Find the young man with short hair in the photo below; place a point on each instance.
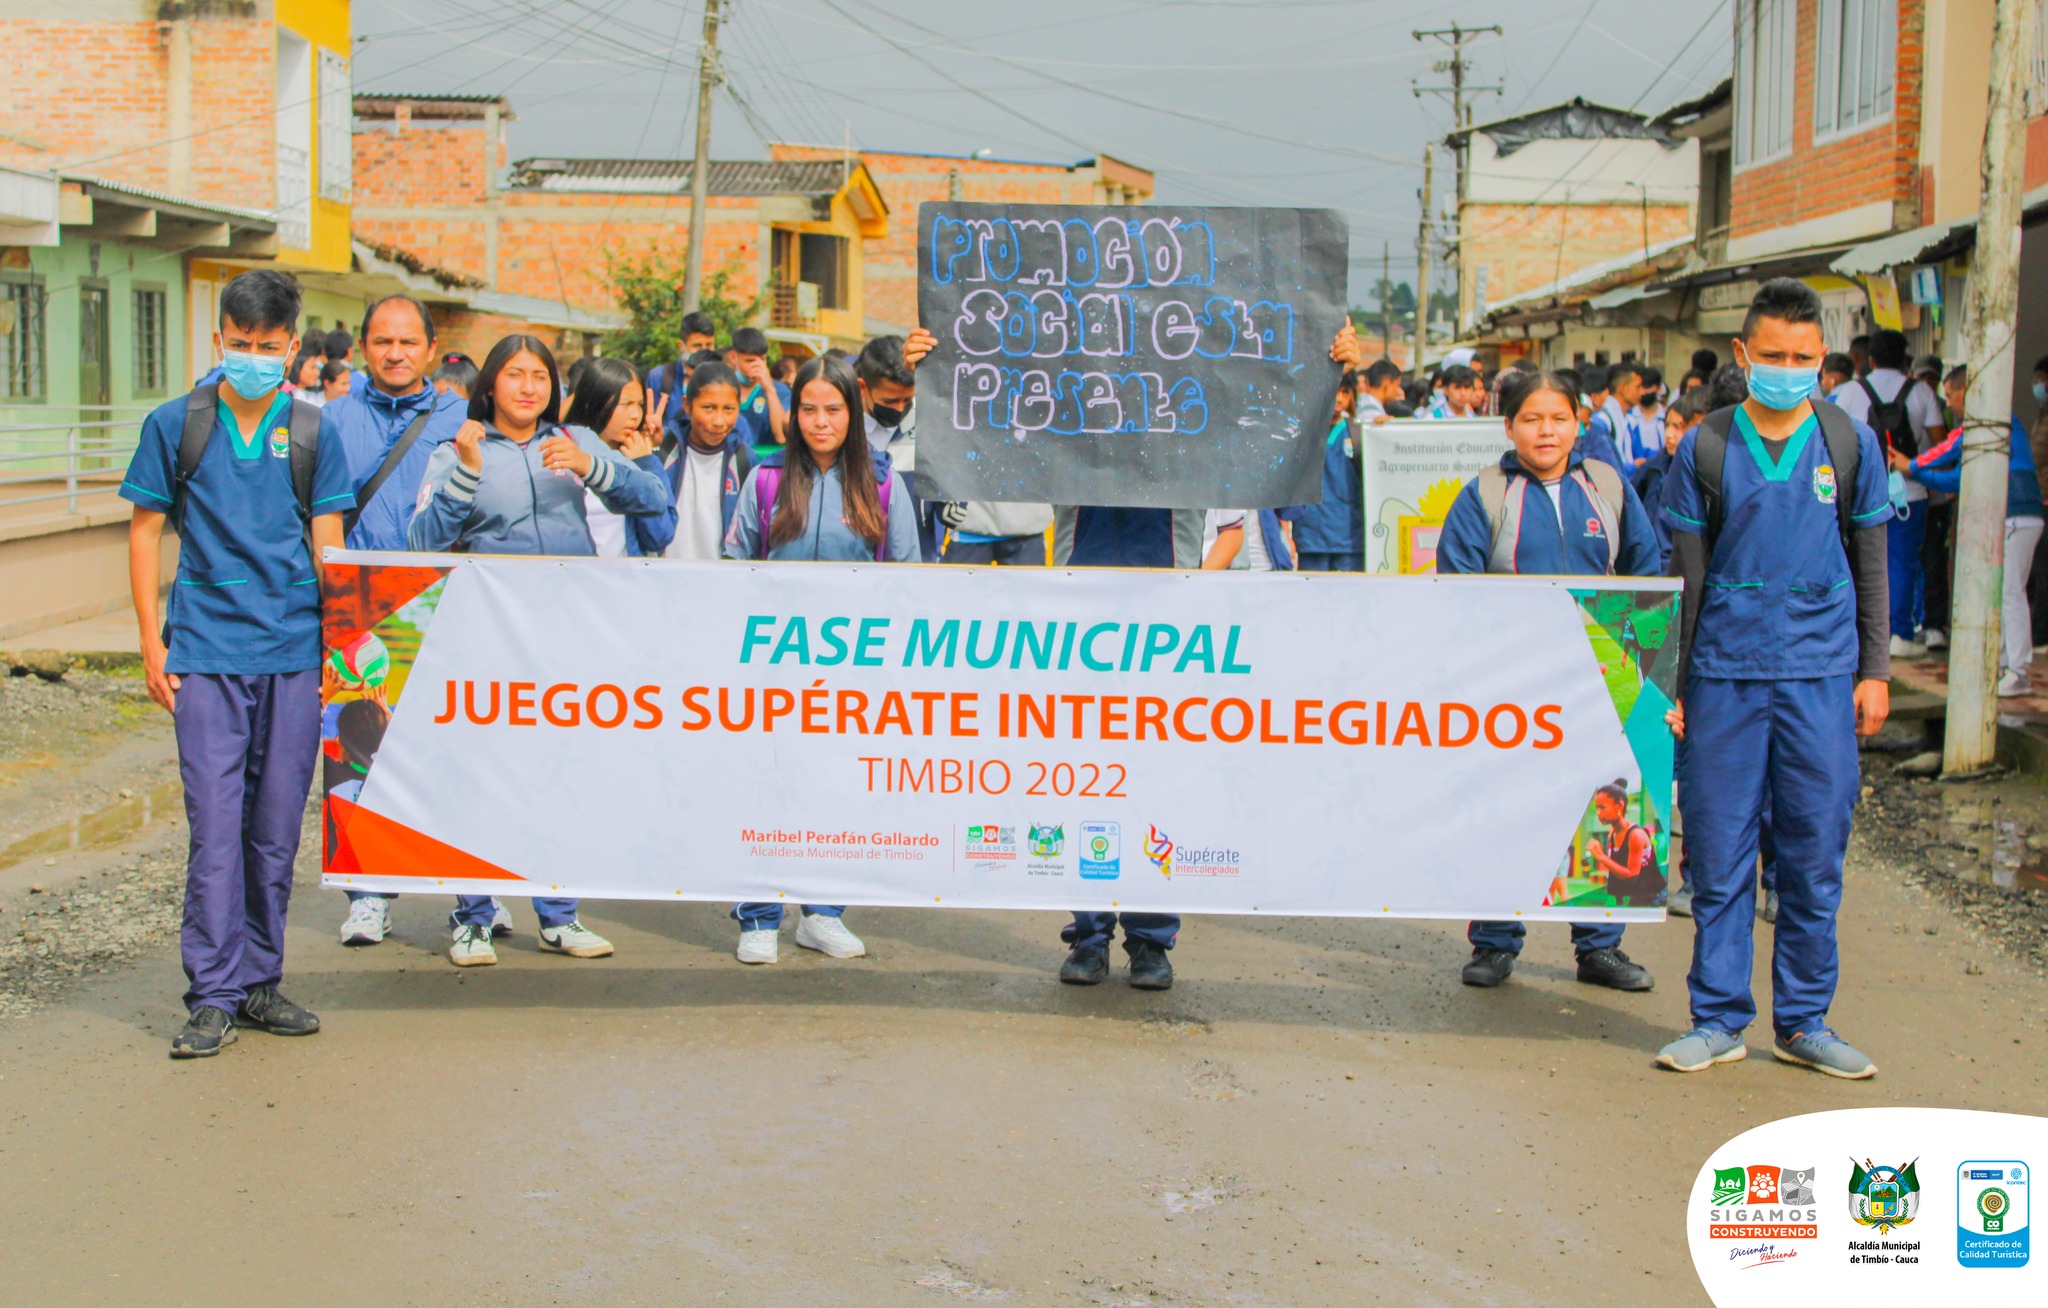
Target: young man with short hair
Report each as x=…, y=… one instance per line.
x=1462, y=395
x=1604, y=432
x=1379, y=390
x=258, y=490
x=764, y=403
x=1903, y=411
x=699, y=333
x=1777, y=509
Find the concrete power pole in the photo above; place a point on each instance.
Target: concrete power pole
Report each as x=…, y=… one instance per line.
x=1990, y=307
x=1422, y=239
x=1457, y=37
x=1386, y=296
x=700, y=164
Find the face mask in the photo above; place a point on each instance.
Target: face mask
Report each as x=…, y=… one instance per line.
x=252, y=375
x=2041, y=392
x=1781, y=388
x=889, y=417
x=1896, y=486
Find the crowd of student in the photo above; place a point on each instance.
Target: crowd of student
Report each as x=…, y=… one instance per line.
x=1773, y=504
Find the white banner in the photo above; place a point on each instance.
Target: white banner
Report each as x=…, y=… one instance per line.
x=1006, y=738
x=1413, y=469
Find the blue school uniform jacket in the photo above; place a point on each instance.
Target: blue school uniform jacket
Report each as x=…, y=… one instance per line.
x=366, y=423
x=1941, y=469
x=825, y=536
x=516, y=506
x=1337, y=525
x=734, y=464
x=1122, y=538
x=1576, y=546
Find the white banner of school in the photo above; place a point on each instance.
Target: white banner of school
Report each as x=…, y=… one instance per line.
x=996, y=738
x=1413, y=469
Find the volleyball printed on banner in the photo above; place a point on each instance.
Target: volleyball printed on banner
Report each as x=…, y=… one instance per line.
x=362, y=662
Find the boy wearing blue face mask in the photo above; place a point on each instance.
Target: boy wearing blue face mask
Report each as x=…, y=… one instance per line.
x=1778, y=509
x=258, y=490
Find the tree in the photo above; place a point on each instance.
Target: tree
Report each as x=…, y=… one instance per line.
x=649, y=287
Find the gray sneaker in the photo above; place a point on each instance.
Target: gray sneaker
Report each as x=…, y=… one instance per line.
x=1768, y=909
x=1824, y=1051
x=1680, y=903
x=1701, y=1048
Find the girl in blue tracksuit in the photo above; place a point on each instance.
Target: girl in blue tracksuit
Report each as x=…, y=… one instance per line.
x=708, y=462
x=1560, y=515
x=512, y=481
x=823, y=496
x=611, y=401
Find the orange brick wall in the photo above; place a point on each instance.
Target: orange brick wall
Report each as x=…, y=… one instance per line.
x=1527, y=246
x=908, y=180
x=1879, y=163
x=94, y=97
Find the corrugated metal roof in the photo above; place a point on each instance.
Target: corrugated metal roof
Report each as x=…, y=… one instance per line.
x=177, y=205
x=819, y=177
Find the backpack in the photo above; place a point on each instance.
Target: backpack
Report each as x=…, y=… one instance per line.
x=1608, y=499
x=200, y=407
x=1891, y=422
x=770, y=481
x=1710, y=457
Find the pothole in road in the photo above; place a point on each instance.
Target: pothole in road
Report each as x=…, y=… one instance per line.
x=113, y=825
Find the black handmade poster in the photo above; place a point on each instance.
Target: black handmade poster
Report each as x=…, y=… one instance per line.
x=1151, y=357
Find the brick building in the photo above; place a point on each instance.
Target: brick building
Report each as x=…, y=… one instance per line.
x=906, y=180
x=526, y=244
x=223, y=103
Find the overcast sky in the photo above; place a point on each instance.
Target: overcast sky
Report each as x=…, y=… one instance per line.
x=1287, y=102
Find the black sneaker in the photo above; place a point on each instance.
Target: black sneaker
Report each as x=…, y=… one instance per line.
x=1151, y=969
x=205, y=1032
x=1612, y=968
x=1768, y=910
x=1487, y=968
x=266, y=1010
x=1086, y=965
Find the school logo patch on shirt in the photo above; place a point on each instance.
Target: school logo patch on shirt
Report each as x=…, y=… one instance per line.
x=1593, y=527
x=1824, y=484
x=281, y=442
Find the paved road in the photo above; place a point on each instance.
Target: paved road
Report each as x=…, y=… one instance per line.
x=1318, y=1112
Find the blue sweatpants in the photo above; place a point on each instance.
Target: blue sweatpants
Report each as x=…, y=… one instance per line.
x=1791, y=744
x=1100, y=928
x=1586, y=936
x=247, y=745
x=1318, y=561
x=1904, y=536
x=768, y=917
x=475, y=910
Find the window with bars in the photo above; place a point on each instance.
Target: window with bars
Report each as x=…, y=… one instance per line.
x=337, y=147
x=23, y=352
x=1854, y=58
x=1763, y=79
x=152, y=341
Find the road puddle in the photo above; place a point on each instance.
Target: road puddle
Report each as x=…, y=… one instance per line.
x=2003, y=855
x=113, y=825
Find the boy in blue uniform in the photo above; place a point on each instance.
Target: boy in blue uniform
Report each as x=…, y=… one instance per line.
x=1106, y=537
x=764, y=403
x=1782, y=547
x=258, y=490
x=1330, y=536
x=1546, y=510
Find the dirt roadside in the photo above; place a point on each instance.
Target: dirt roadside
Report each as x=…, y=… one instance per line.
x=1317, y=1114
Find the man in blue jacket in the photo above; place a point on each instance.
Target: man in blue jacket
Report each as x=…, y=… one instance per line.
x=387, y=430
x=1547, y=510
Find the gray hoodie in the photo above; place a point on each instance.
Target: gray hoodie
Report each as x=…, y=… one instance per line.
x=516, y=506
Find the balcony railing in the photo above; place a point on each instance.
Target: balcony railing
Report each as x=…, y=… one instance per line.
x=82, y=461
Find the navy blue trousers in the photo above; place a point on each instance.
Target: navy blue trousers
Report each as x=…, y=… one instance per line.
x=1318, y=561
x=1100, y=928
x=1508, y=936
x=247, y=745
x=1789, y=747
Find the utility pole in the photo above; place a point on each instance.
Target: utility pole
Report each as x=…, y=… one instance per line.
x=1422, y=239
x=1990, y=307
x=700, y=165
x=1386, y=299
x=1457, y=37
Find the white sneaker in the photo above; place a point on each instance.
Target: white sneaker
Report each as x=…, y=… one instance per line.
x=829, y=936
x=1907, y=649
x=1934, y=638
x=762, y=946
x=2014, y=684
x=501, y=919
x=367, y=921
x=472, y=947
x=575, y=940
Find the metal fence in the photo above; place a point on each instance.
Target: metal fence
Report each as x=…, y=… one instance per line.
x=41, y=463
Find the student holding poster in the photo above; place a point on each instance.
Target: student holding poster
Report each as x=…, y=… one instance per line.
x=1128, y=537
